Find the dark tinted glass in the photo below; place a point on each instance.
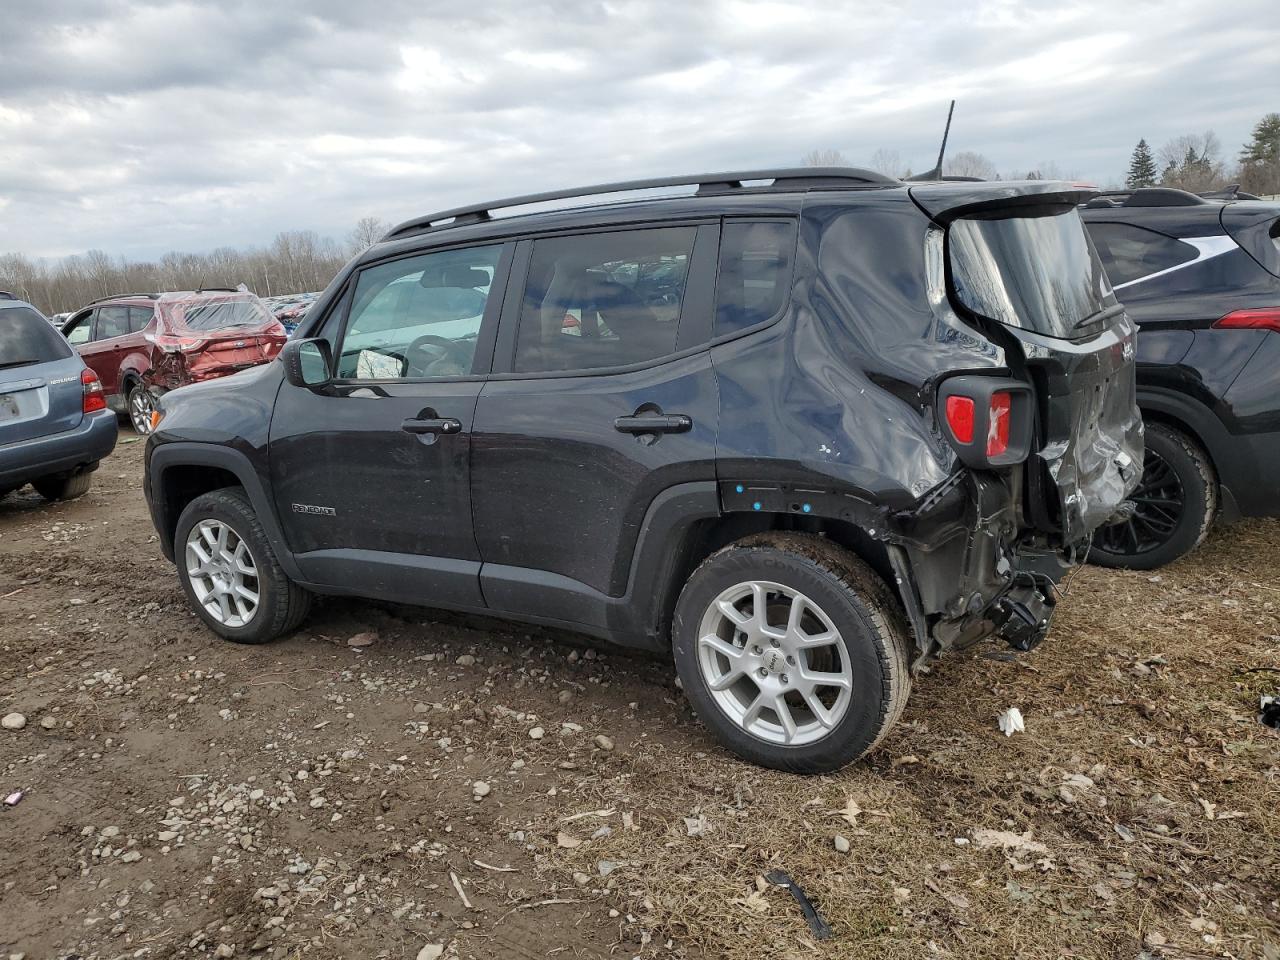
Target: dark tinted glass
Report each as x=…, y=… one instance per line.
x=1035, y=272
x=755, y=273
x=1130, y=253
x=26, y=337
x=603, y=300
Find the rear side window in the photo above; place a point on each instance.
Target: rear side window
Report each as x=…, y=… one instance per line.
x=603, y=299
x=1038, y=272
x=139, y=317
x=1130, y=253
x=26, y=337
x=755, y=273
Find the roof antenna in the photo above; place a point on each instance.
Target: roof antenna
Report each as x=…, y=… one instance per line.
x=936, y=172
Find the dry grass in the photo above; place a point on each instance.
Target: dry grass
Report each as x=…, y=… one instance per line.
x=1169, y=846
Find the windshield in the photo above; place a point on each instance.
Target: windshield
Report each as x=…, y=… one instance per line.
x=26, y=337
x=1036, y=272
x=219, y=314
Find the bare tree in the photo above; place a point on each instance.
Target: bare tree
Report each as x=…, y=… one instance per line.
x=824, y=158
x=367, y=232
x=968, y=163
x=296, y=262
x=889, y=163
x=1193, y=162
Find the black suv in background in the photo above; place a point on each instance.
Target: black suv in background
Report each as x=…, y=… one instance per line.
x=1201, y=277
x=806, y=429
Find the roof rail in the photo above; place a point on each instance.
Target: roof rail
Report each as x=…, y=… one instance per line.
x=1148, y=197
x=216, y=290
x=6, y=295
x=124, y=296
x=707, y=183
x=1231, y=192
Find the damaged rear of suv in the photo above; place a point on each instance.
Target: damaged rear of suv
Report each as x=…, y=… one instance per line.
x=806, y=429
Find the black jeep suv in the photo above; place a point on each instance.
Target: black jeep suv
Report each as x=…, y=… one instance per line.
x=805, y=428
x=1201, y=278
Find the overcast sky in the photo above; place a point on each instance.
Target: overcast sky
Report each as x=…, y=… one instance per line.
x=139, y=127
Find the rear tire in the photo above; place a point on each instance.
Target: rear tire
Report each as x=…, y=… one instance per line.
x=139, y=404
x=64, y=488
x=1177, y=501
x=230, y=573
x=741, y=680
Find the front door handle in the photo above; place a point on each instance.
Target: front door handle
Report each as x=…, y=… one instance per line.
x=654, y=423
x=435, y=425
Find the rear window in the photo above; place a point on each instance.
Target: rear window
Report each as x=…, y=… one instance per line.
x=1130, y=253
x=26, y=337
x=755, y=273
x=217, y=314
x=1038, y=272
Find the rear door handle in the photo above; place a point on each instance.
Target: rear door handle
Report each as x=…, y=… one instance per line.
x=654, y=423
x=432, y=425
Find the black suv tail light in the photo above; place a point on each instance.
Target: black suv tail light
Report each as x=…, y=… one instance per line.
x=987, y=419
x=1259, y=318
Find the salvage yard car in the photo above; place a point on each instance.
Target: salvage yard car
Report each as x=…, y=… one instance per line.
x=142, y=345
x=1200, y=275
x=806, y=430
x=54, y=422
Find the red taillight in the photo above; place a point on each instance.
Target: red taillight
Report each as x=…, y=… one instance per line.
x=1001, y=412
x=171, y=344
x=94, y=398
x=1261, y=318
x=960, y=418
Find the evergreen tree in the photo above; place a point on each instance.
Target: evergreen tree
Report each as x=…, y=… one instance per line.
x=1142, y=167
x=1260, y=158
x=1265, y=146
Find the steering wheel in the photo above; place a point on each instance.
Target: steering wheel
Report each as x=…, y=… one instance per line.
x=417, y=358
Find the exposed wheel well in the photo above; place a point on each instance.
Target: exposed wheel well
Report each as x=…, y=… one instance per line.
x=707, y=536
x=180, y=484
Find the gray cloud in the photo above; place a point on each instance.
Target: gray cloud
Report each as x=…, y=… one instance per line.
x=139, y=127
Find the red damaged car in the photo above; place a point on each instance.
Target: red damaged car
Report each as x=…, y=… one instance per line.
x=142, y=345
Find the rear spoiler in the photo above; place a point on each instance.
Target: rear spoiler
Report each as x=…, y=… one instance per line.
x=946, y=200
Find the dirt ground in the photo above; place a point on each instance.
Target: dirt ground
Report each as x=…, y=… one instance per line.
x=502, y=792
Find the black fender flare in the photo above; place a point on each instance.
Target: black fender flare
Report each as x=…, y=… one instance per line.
x=187, y=454
x=1204, y=427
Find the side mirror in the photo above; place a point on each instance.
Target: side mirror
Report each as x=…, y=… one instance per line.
x=307, y=362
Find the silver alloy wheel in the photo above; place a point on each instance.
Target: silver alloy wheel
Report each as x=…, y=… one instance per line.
x=774, y=663
x=223, y=574
x=141, y=403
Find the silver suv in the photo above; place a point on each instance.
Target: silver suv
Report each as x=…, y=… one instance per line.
x=54, y=421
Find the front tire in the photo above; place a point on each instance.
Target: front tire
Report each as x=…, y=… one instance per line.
x=230, y=573
x=64, y=488
x=792, y=652
x=1175, y=504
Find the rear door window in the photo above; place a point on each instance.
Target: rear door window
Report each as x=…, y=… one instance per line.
x=755, y=272
x=1035, y=271
x=111, y=322
x=603, y=299
x=28, y=338
x=1130, y=253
